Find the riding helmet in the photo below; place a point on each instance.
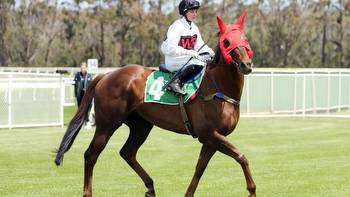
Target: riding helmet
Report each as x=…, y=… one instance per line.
x=186, y=5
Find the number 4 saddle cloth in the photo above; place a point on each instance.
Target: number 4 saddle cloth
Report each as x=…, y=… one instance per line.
x=155, y=92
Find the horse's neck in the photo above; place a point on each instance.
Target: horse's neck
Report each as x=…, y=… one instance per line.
x=228, y=80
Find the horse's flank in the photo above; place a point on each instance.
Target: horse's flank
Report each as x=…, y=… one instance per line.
x=128, y=83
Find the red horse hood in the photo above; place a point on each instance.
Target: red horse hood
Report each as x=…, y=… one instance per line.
x=235, y=35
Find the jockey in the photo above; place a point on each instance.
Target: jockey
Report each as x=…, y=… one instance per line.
x=182, y=42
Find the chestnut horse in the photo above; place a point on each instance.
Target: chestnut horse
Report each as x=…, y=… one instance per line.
x=119, y=98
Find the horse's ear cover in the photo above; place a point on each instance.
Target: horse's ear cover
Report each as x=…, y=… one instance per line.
x=221, y=24
x=240, y=21
x=235, y=39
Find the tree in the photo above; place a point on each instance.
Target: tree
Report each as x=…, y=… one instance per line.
x=127, y=14
x=282, y=33
x=4, y=9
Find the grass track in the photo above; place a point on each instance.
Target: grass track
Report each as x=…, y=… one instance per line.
x=288, y=157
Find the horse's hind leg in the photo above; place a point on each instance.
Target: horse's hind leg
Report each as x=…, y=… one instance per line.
x=204, y=157
x=220, y=143
x=139, y=130
x=98, y=143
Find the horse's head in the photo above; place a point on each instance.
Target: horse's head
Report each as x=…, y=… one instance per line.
x=234, y=45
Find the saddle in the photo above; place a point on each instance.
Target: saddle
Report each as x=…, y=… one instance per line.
x=156, y=93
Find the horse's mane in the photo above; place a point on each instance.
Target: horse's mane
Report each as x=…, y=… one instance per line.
x=217, y=55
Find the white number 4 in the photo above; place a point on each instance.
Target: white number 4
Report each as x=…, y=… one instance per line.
x=156, y=88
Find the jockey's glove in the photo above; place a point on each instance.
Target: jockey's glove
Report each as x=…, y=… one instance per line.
x=211, y=53
x=193, y=53
x=205, y=57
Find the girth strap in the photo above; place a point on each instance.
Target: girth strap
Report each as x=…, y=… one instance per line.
x=185, y=119
x=221, y=96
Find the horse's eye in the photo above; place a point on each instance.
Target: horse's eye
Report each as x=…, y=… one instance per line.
x=226, y=43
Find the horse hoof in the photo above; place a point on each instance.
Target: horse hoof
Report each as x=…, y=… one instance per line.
x=147, y=194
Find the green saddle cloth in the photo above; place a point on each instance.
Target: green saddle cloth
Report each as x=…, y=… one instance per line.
x=154, y=92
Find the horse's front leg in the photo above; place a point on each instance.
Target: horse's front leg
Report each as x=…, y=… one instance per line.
x=220, y=143
x=203, y=160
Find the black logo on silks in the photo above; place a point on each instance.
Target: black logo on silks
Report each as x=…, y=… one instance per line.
x=188, y=42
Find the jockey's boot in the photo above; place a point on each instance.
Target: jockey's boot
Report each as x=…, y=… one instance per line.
x=187, y=73
x=176, y=86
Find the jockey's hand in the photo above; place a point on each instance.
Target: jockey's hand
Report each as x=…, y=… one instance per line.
x=205, y=57
x=193, y=53
x=211, y=53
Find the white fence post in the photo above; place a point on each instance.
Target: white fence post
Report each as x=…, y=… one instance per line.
x=328, y=92
x=339, y=92
x=9, y=106
x=272, y=93
x=295, y=92
x=62, y=98
x=349, y=96
x=314, y=100
x=304, y=95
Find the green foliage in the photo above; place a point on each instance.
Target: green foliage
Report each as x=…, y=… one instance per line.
x=282, y=33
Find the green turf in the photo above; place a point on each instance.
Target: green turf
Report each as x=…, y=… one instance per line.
x=288, y=157
x=68, y=113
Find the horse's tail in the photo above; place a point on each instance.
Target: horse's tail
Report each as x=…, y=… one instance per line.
x=77, y=121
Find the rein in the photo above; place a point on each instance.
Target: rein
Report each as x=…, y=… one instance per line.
x=222, y=96
x=219, y=94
